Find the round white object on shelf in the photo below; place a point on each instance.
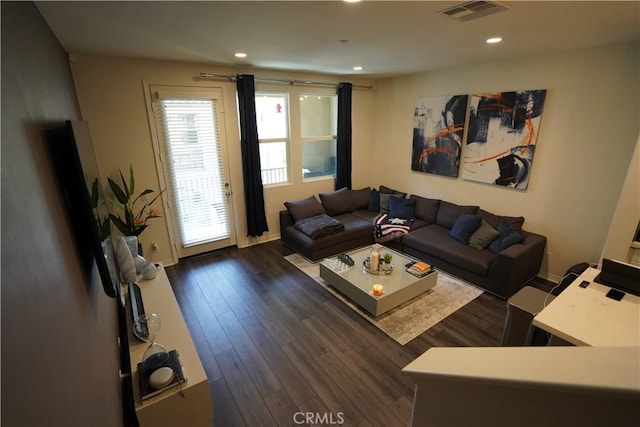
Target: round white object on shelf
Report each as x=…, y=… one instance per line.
x=161, y=377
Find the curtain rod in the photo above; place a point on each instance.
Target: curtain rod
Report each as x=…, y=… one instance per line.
x=265, y=80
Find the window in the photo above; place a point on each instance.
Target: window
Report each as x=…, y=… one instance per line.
x=272, y=115
x=318, y=122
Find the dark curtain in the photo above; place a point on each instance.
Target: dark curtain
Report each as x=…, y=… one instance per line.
x=343, y=145
x=253, y=195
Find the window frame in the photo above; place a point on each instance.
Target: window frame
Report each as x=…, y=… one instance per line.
x=286, y=140
x=318, y=138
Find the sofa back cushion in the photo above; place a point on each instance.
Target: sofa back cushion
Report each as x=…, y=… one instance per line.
x=515, y=222
x=386, y=190
x=305, y=208
x=448, y=213
x=374, y=201
x=337, y=202
x=360, y=199
x=426, y=209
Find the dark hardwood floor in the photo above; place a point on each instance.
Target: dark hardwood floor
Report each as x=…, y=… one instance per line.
x=274, y=343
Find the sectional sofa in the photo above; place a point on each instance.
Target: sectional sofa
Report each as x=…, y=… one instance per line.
x=488, y=250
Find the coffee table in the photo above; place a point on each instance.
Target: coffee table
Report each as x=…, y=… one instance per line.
x=356, y=282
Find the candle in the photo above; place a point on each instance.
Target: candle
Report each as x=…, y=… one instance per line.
x=377, y=290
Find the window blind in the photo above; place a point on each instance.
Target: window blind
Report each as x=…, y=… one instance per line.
x=189, y=139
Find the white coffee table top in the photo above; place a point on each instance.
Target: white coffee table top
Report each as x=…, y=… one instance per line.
x=393, y=282
x=356, y=283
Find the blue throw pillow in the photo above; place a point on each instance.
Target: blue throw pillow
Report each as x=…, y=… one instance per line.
x=508, y=236
x=401, y=208
x=374, y=201
x=465, y=226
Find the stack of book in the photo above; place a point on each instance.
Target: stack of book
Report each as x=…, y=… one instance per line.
x=419, y=269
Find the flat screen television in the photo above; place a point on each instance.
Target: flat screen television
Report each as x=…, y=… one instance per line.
x=76, y=168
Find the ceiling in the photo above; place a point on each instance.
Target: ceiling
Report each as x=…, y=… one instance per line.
x=384, y=37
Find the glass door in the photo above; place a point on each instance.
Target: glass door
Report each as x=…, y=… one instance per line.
x=193, y=154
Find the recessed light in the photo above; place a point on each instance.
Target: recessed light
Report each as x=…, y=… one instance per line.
x=494, y=40
x=352, y=1
x=240, y=55
x=357, y=68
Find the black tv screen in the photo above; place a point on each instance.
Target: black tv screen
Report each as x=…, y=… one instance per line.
x=75, y=164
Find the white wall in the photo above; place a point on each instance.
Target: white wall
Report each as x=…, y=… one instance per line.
x=111, y=97
x=587, y=135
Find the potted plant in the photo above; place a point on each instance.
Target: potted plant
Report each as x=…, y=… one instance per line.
x=135, y=217
x=386, y=265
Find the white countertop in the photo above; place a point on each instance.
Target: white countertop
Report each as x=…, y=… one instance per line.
x=585, y=316
x=608, y=368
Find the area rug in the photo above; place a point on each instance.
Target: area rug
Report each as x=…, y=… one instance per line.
x=412, y=318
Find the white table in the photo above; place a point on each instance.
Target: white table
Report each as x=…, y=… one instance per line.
x=193, y=406
x=586, y=316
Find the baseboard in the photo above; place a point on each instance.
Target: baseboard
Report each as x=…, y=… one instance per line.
x=252, y=241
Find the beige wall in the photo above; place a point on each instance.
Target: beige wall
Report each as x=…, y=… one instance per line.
x=588, y=131
x=627, y=216
x=589, y=128
x=111, y=96
x=59, y=330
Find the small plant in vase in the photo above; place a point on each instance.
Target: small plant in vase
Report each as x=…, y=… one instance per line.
x=386, y=265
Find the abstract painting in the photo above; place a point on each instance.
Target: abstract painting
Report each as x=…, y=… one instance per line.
x=501, y=137
x=438, y=127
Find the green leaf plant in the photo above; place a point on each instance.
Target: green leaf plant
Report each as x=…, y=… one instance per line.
x=135, y=218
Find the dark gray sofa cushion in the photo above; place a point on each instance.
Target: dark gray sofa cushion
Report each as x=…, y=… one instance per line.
x=337, y=202
x=360, y=199
x=494, y=220
x=426, y=209
x=305, y=208
x=386, y=190
x=435, y=240
x=367, y=215
x=449, y=213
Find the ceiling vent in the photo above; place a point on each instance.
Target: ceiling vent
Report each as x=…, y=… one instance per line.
x=473, y=10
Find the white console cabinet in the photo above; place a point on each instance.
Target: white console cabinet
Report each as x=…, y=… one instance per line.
x=192, y=406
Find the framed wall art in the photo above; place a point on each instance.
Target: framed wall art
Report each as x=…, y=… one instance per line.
x=501, y=137
x=438, y=128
